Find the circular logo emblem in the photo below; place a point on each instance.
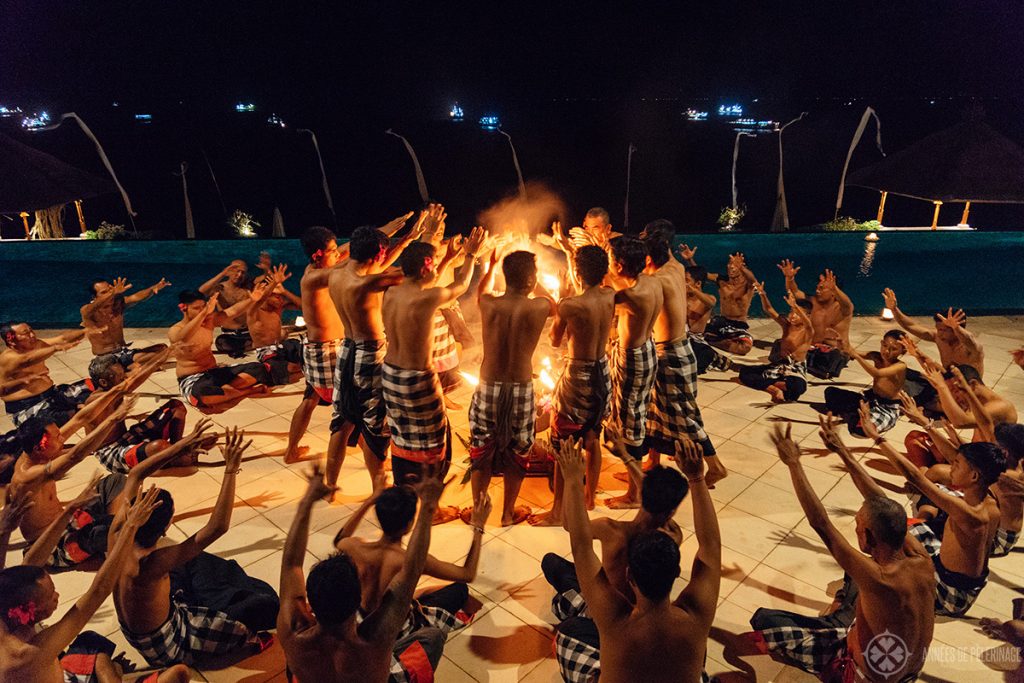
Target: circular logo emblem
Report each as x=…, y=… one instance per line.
x=886, y=654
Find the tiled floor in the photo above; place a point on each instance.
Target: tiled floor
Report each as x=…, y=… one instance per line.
x=771, y=556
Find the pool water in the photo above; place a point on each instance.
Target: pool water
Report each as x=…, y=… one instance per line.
x=44, y=283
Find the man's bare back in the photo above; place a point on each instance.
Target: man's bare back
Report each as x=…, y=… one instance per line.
x=322, y=320
x=409, y=316
x=512, y=324
x=670, y=325
x=357, y=297
x=588, y=321
x=638, y=308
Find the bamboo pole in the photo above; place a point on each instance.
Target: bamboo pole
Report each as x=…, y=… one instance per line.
x=24, y=219
x=881, y=206
x=81, y=216
x=967, y=211
x=935, y=216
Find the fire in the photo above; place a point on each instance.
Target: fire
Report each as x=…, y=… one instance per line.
x=550, y=282
x=472, y=379
x=546, y=379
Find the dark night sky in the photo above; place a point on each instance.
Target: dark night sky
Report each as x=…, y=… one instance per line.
x=317, y=53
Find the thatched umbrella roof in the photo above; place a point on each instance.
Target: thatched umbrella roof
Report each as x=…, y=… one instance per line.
x=31, y=180
x=969, y=162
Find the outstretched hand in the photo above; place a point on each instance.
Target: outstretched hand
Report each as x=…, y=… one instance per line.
x=200, y=428
x=788, y=269
x=233, y=449
x=317, y=488
x=788, y=449
x=18, y=503
x=829, y=434
x=430, y=486
x=954, y=320
x=689, y=457
x=686, y=252
x=481, y=510
x=88, y=493
x=889, y=297
x=570, y=459
x=475, y=241
x=867, y=425
x=142, y=507
x=909, y=407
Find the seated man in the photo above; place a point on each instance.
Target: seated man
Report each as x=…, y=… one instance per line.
x=502, y=414
x=28, y=598
x=124, y=447
x=1009, y=491
x=319, y=625
x=662, y=489
x=203, y=384
x=699, y=307
x=162, y=626
x=626, y=641
x=957, y=345
x=785, y=379
x=960, y=556
x=888, y=590
x=232, y=285
x=831, y=315
x=25, y=358
x=730, y=330
x=103, y=320
x=379, y=561
x=268, y=338
x=887, y=372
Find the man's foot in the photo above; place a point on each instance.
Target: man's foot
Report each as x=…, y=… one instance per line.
x=716, y=472
x=775, y=391
x=520, y=514
x=297, y=455
x=623, y=502
x=445, y=514
x=334, y=496
x=452, y=404
x=546, y=519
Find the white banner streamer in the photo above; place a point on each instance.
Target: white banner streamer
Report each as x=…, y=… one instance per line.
x=420, y=182
x=103, y=158
x=629, y=178
x=868, y=113
x=323, y=173
x=781, y=217
x=515, y=161
x=735, y=156
x=190, y=227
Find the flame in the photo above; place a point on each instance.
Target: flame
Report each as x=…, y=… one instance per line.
x=546, y=379
x=472, y=379
x=300, y=321
x=550, y=282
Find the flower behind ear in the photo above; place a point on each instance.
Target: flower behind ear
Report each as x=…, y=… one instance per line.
x=23, y=615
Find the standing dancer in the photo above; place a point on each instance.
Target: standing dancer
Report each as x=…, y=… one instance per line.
x=639, y=299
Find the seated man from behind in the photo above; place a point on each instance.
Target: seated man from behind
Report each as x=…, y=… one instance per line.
x=654, y=639
x=889, y=584
x=319, y=625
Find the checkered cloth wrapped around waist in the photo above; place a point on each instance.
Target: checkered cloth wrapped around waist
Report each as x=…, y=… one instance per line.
x=319, y=362
x=501, y=421
x=358, y=389
x=955, y=593
x=673, y=411
x=633, y=380
x=415, y=413
x=190, y=634
x=444, y=354
x=581, y=397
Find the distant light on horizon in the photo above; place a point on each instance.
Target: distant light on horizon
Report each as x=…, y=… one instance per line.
x=730, y=110
x=35, y=121
x=144, y=118
x=490, y=122
x=242, y=107
x=456, y=113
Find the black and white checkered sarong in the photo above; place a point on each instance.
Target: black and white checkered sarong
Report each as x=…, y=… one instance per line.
x=633, y=380
x=951, y=600
x=501, y=421
x=60, y=400
x=358, y=391
x=415, y=413
x=1004, y=542
x=319, y=363
x=580, y=662
x=189, y=634
x=581, y=398
x=810, y=648
x=444, y=354
x=674, y=412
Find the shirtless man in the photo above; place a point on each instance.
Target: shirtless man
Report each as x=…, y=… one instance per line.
x=653, y=639
x=785, y=379
x=662, y=489
x=322, y=340
x=582, y=397
x=889, y=580
x=730, y=330
x=233, y=286
x=674, y=414
x=318, y=625
x=957, y=345
x=502, y=411
x=888, y=374
x=960, y=550
x=420, y=433
x=30, y=651
x=596, y=230
x=205, y=385
x=831, y=315
x=356, y=288
x=164, y=629
x=103, y=320
x=25, y=357
x=269, y=341
x=378, y=562
x=638, y=298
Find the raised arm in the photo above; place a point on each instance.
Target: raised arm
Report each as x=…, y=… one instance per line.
x=43, y=546
x=18, y=503
x=380, y=483
x=486, y=283
x=383, y=624
x=15, y=360
x=766, y=305
x=687, y=254
x=52, y=641
x=295, y=614
x=466, y=572
x=869, y=366
x=189, y=327
x=904, y=321
x=613, y=442
x=849, y=558
x=950, y=408
x=210, y=286
x=789, y=271
x=845, y=304
x=464, y=273
x=700, y=596
x=417, y=231
x=144, y=294
x=152, y=464
x=395, y=224
x=605, y=603
x=864, y=482
x=119, y=286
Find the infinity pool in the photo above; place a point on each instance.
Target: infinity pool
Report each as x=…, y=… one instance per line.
x=44, y=283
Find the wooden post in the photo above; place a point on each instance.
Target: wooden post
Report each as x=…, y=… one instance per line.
x=935, y=216
x=967, y=211
x=81, y=216
x=24, y=219
x=881, y=206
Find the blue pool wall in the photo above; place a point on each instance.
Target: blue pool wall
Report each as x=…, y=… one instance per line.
x=44, y=282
